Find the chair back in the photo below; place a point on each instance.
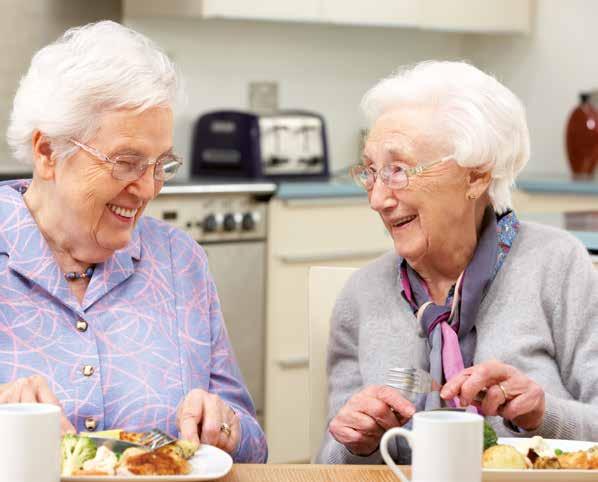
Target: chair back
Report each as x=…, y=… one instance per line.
x=325, y=284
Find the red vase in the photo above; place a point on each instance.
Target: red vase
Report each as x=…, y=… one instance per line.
x=582, y=137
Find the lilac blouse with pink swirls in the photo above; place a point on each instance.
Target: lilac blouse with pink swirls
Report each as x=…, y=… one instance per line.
x=154, y=328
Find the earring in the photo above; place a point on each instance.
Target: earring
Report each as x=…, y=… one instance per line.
x=471, y=197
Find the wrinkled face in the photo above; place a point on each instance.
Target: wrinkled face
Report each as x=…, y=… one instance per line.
x=433, y=207
x=98, y=211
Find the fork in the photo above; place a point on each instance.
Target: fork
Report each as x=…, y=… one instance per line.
x=412, y=381
x=155, y=439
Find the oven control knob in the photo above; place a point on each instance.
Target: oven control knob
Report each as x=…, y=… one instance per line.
x=229, y=223
x=248, y=222
x=209, y=223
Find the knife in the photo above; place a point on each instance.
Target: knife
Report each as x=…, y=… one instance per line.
x=117, y=446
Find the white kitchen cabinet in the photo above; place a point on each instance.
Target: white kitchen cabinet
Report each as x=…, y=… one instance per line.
x=305, y=233
x=448, y=15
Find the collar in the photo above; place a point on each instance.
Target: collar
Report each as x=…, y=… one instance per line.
x=31, y=257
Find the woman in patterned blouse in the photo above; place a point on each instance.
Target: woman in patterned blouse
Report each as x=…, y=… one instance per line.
x=109, y=314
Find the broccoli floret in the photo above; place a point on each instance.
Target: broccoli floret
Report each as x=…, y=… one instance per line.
x=75, y=451
x=490, y=437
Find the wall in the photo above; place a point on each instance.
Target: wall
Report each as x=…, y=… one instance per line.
x=318, y=67
x=25, y=27
x=547, y=70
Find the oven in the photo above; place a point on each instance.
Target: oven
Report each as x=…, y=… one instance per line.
x=230, y=223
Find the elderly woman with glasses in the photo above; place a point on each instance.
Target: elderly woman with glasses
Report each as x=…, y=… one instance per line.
x=500, y=312
x=109, y=314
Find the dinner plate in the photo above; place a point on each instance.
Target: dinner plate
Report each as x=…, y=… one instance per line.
x=509, y=475
x=208, y=463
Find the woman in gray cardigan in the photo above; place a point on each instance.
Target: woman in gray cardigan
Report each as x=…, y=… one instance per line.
x=470, y=294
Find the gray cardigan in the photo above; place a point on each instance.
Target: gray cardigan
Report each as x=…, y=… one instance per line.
x=540, y=315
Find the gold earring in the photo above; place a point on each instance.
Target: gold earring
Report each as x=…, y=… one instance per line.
x=471, y=197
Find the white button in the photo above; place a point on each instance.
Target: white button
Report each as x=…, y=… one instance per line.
x=88, y=370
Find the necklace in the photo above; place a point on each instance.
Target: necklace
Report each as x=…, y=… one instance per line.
x=75, y=275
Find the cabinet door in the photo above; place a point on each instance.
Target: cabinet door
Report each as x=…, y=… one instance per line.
x=401, y=13
x=288, y=10
x=475, y=15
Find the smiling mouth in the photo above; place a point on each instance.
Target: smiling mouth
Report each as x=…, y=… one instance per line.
x=403, y=221
x=123, y=212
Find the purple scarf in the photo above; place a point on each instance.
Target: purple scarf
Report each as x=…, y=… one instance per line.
x=450, y=328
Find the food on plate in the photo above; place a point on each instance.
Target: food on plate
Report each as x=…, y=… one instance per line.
x=75, y=451
x=504, y=457
x=81, y=457
x=490, y=437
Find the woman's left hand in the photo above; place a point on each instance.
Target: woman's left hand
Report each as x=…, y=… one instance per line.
x=510, y=393
x=204, y=417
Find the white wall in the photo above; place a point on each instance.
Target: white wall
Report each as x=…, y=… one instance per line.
x=323, y=68
x=547, y=70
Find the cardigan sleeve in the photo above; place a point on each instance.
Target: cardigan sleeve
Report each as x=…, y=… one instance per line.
x=344, y=377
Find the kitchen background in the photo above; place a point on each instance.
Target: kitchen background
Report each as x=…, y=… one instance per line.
x=323, y=55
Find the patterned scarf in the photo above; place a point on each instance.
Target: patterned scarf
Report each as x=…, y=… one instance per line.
x=450, y=328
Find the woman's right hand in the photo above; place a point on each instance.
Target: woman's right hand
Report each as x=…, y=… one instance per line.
x=361, y=422
x=34, y=389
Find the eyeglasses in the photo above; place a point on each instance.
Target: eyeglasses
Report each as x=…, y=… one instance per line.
x=130, y=167
x=392, y=175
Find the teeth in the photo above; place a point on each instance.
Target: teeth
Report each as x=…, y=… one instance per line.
x=126, y=213
x=404, y=220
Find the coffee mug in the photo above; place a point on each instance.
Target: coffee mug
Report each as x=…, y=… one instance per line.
x=29, y=442
x=446, y=446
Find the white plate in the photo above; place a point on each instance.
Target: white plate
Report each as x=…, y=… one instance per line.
x=208, y=463
x=508, y=475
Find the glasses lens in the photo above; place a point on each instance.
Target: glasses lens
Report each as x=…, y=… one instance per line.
x=394, y=176
x=127, y=168
x=166, y=168
x=363, y=176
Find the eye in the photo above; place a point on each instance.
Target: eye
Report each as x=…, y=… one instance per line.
x=128, y=161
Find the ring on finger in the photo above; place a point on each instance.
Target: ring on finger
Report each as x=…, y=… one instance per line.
x=504, y=392
x=225, y=428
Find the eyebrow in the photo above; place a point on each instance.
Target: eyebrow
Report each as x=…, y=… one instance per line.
x=130, y=151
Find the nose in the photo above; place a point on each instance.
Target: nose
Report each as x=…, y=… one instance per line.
x=381, y=196
x=145, y=188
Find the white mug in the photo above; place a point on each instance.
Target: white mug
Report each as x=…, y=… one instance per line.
x=29, y=442
x=446, y=446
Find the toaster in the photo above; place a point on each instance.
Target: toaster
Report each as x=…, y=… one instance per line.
x=286, y=145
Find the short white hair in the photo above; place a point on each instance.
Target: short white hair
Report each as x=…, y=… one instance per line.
x=89, y=71
x=484, y=121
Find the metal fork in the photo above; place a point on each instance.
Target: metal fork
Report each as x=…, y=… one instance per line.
x=155, y=439
x=412, y=381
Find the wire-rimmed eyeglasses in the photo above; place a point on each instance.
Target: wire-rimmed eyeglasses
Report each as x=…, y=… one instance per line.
x=130, y=167
x=392, y=175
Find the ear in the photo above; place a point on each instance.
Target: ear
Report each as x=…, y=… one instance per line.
x=478, y=182
x=43, y=161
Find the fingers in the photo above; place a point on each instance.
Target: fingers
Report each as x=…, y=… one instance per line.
x=492, y=401
x=42, y=390
x=190, y=415
x=402, y=407
x=474, y=379
x=66, y=426
x=212, y=420
x=232, y=419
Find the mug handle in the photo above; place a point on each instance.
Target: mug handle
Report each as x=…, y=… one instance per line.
x=393, y=432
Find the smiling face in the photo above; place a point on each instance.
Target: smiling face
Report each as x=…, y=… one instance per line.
x=97, y=212
x=432, y=213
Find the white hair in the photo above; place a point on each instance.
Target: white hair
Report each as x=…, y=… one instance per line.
x=90, y=70
x=484, y=121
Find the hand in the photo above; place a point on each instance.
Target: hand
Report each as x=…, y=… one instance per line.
x=361, y=422
x=34, y=389
x=522, y=401
x=200, y=418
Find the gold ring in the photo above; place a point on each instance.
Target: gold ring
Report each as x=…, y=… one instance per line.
x=504, y=392
x=225, y=427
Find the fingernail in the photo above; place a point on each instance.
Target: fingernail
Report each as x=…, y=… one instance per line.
x=463, y=403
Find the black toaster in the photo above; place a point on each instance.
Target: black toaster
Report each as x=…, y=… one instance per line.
x=285, y=145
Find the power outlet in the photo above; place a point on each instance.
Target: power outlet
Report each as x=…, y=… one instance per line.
x=263, y=97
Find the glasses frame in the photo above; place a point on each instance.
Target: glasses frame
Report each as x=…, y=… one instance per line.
x=142, y=167
x=385, y=175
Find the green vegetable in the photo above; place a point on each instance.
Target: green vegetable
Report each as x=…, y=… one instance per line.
x=558, y=452
x=75, y=451
x=490, y=437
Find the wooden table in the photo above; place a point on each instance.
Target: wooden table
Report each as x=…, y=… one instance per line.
x=311, y=473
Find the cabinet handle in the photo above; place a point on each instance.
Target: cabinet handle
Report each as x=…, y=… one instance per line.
x=293, y=362
x=332, y=256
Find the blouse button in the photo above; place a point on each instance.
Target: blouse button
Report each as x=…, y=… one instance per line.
x=90, y=424
x=88, y=370
x=81, y=325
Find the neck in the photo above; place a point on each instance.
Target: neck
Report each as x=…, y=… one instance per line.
x=441, y=269
x=38, y=200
